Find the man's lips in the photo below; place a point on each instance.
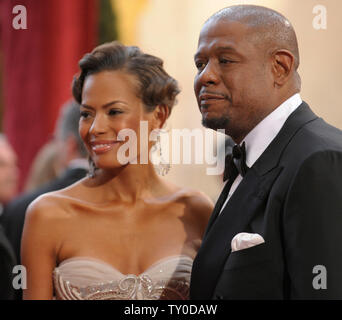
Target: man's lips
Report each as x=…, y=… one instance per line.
x=102, y=146
x=208, y=98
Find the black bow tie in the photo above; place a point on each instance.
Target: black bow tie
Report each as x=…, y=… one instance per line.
x=235, y=163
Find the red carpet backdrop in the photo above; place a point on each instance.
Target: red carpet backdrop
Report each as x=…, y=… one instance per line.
x=38, y=66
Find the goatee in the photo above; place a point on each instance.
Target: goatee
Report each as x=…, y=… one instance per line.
x=215, y=123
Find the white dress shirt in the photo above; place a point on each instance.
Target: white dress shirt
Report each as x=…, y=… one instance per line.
x=259, y=138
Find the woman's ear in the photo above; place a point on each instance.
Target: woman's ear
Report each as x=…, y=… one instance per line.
x=160, y=115
x=283, y=64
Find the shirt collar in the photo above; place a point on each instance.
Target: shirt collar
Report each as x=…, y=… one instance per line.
x=266, y=130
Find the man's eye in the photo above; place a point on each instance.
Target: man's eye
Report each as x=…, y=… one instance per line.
x=225, y=61
x=200, y=65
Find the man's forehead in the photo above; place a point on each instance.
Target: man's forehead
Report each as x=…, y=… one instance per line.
x=222, y=35
x=222, y=30
x=221, y=26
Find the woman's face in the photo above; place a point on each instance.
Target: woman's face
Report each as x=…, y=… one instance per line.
x=109, y=105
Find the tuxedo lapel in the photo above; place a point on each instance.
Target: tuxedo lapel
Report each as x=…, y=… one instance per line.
x=248, y=199
x=219, y=203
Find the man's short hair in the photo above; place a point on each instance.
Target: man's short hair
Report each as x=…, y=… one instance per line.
x=67, y=124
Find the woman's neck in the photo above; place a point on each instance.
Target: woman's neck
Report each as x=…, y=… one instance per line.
x=127, y=184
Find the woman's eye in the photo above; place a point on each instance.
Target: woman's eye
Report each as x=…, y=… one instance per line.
x=113, y=112
x=84, y=114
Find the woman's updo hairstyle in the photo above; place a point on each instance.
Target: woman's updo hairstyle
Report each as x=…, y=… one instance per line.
x=156, y=87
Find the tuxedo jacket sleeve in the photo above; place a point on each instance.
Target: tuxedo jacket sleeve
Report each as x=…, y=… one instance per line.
x=292, y=197
x=7, y=262
x=312, y=224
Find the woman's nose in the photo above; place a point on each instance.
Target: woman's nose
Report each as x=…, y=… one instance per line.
x=99, y=125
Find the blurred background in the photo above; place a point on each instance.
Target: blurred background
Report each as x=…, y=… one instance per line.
x=37, y=64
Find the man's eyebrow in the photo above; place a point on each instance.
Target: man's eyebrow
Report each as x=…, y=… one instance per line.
x=105, y=105
x=221, y=48
x=196, y=55
x=227, y=48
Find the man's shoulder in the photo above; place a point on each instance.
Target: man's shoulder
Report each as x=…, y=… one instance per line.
x=323, y=131
x=316, y=136
x=314, y=144
x=67, y=178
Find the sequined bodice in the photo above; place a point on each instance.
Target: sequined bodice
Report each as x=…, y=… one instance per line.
x=83, y=278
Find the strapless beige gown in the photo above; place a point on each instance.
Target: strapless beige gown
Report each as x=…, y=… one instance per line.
x=83, y=278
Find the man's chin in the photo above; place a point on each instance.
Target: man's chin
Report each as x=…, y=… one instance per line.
x=215, y=123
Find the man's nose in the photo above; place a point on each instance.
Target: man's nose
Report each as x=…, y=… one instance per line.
x=209, y=75
x=99, y=125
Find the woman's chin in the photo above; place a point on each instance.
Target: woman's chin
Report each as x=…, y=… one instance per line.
x=113, y=163
x=112, y=166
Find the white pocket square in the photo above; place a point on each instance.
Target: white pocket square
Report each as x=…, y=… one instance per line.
x=246, y=240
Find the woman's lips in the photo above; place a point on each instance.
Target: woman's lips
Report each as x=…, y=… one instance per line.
x=100, y=147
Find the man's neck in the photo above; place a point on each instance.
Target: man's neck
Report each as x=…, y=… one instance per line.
x=278, y=102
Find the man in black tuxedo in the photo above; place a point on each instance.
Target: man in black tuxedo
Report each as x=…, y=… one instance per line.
x=275, y=232
x=8, y=189
x=73, y=166
x=7, y=262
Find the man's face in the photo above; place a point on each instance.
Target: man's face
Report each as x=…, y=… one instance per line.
x=234, y=78
x=8, y=172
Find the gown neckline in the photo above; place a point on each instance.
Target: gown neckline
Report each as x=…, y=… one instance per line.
x=102, y=262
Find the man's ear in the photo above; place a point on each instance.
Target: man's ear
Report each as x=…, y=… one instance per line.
x=282, y=66
x=160, y=114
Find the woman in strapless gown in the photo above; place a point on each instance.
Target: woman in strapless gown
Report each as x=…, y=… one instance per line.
x=123, y=232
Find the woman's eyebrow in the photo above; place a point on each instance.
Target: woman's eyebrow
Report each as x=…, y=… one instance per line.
x=105, y=105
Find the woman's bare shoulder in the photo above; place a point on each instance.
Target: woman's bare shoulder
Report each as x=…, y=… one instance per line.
x=52, y=204
x=196, y=202
x=74, y=191
x=45, y=221
x=198, y=208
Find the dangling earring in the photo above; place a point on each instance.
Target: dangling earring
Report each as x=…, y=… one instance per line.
x=161, y=166
x=92, y=168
